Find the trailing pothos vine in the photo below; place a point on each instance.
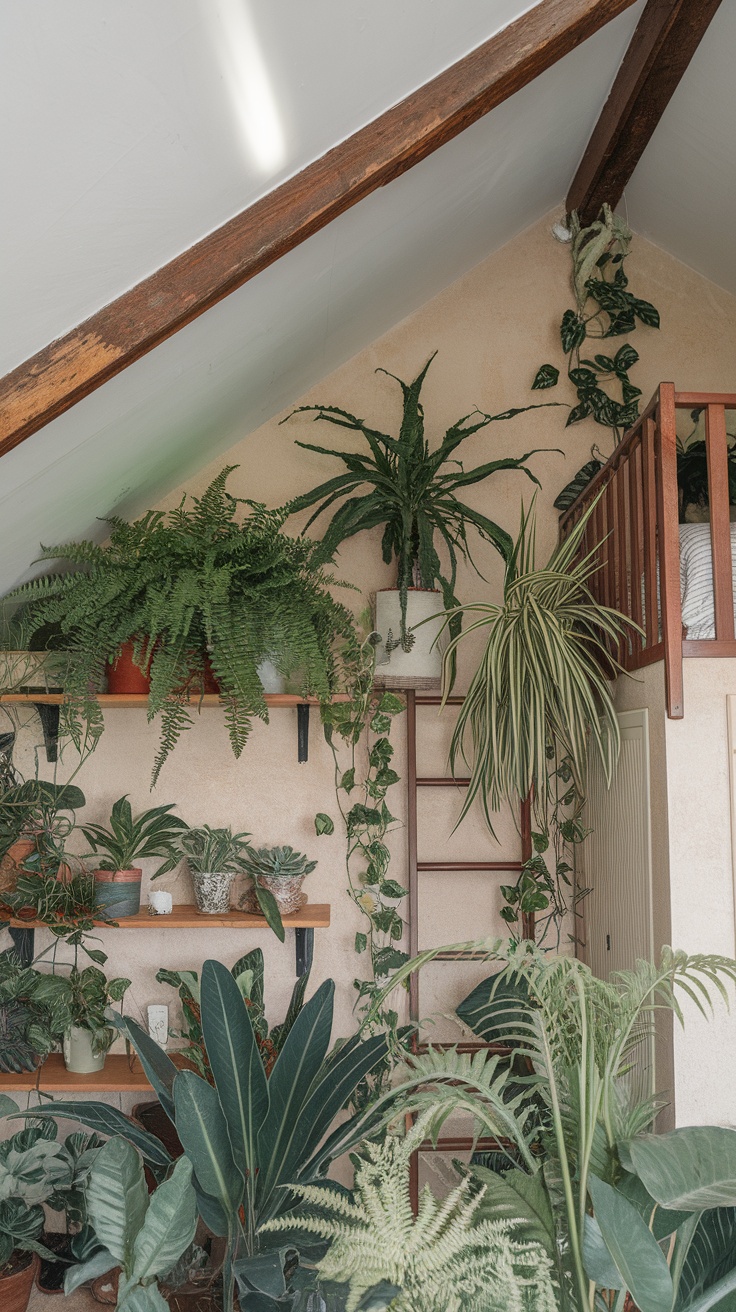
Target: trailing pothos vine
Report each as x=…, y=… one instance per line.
x=547, y=888
x=604, y=309
x=358, y=733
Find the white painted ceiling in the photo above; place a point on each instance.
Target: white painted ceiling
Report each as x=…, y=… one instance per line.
x=126, y=148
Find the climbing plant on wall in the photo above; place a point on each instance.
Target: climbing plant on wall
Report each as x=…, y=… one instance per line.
x=358, y=733
x=604, y=310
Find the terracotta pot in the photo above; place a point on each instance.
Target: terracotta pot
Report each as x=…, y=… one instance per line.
x=15, y=1290
x=50, y=1278
x=124, y=676
x=12, y=861
x=117, y=893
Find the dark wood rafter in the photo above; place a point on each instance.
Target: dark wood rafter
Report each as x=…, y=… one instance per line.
x=52, y=381
x=666, y=38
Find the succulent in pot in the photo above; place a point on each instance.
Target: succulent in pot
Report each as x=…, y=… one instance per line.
x=214, y=857
x=279, y=870
x=153, y=833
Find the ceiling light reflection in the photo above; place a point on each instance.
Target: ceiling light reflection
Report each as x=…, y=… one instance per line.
x=246, y=77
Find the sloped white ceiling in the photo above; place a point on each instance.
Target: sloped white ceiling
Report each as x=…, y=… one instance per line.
x=145, y=431
x=131, y=128
x=683, y=192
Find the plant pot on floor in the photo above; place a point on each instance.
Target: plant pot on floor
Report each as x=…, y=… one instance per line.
x=421, y=666
x=125, y=677
x=50, y=1278
x=287, y=891
x=78, y=1051
x=117, y=893
x=212, y=891
x=15, y=1288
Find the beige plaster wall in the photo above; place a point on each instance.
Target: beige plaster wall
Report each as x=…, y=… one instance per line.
x=492, y=329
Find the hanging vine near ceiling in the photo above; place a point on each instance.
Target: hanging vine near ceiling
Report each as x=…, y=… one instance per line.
x=604, y=310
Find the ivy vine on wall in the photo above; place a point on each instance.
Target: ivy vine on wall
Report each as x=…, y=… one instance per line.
x=604, y=310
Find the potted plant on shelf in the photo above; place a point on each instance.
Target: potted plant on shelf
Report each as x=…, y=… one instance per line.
x=32, y=1167
x=29, y=1026
x=212, y=586
x=36, y=817
x=80, y=1002
x=279, y=870
x=411, y=491
x=214, y=857
x=153, y=833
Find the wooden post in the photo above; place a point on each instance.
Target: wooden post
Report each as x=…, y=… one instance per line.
x=668, y=532
x=720, y=522
x=635, y=464
x=649, y=504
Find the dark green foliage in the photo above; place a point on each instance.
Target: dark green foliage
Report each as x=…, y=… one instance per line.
x=410, y=490
x=692, y=467
x=82, y=998
x=604, y=309
x=572, y=490
x=29, y=1025
x=152, y=833
x=37, y=809
x=217, y=581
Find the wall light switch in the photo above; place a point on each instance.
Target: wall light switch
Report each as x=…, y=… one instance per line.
x=158, y=1023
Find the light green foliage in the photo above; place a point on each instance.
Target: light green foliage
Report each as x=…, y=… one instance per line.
x=401, y=484
x=447, y=1259
x=604, y=309
x=81, y=998
x=33, y=1165
x=28, y=1026
x=153, y=833
x=36, y=1169
x=214, y=580
x=277, y=863
x=214, y=849
x=144, y=1236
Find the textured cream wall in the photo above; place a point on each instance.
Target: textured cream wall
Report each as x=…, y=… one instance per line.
x=493, y=328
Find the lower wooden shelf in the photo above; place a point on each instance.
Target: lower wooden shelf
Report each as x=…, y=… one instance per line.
x=117, y=1076
x=314, y=915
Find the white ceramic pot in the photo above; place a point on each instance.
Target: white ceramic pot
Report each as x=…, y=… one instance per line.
x=421, y=666
x=271, y=680
x=212, y=891
x=78, y=1055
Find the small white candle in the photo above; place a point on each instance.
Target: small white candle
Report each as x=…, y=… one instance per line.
x=160, y=903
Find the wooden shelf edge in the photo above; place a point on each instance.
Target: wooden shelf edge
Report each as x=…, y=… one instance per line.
x=124, y=701
x=314, y=915
x=117, y=1076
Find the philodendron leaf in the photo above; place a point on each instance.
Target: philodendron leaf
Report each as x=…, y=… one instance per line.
x=688, y=1169
x=169, y=1226
x=599, y=1265
x=634, y=1250
x=546, y=376
x=117, y=1199
x=323, y=823
x=98, y=1265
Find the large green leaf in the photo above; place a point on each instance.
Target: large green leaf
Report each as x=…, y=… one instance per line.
x=158, y=1066
x=289, y=1086
x=98, y=1265
x=108, y=1120
x=141, y=1299
x=117, y=1199
x=495, y=1007
x=662, y=1221
x=518, y=1197
x=170, y=1223
x=236, y=1063
x=599, y=1265
x=691, y=1169
x=711, y=1255
x=638, y=1258
x=203, y=1131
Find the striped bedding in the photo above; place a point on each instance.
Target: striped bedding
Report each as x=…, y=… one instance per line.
x=696, y=579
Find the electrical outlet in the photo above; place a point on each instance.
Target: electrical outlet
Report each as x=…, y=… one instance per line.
x=158, y=1023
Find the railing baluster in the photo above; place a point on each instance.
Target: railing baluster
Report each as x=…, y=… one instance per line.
x=635, y=465
x=669, y=548
x=649, y=505
x=622, y=526
x=720, y=524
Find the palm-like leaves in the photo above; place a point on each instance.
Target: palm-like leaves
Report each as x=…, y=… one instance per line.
x=154, y=833
x=541, y=680
x=409, y=489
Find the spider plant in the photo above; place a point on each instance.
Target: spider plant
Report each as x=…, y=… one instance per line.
x=412, y=491
x=541, y=686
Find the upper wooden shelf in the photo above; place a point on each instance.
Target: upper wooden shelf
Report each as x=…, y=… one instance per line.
x=122, y=701
x=314, y=915
x=119, y=1075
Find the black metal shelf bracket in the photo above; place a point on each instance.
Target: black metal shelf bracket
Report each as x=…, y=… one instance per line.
x=25, y=944
x=302, y=732
x=304, y=950
x=49, y=717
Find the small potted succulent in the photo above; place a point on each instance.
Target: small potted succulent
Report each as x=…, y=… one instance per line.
x=153, y=833
x=214, y=857
x=79, y=1002
x=280, y=871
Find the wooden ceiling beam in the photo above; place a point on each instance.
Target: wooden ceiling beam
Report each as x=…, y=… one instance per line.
x=47, y=384
x=666, y=38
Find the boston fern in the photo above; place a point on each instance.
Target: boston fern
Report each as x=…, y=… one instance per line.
x=213, y=584
x=410, y=490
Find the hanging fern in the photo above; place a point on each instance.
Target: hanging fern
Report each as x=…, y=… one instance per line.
x=208, y=585
x=446, y=1259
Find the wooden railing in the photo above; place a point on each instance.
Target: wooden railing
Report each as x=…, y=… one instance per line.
x=635, y=524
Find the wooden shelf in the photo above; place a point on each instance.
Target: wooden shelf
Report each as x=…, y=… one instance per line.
x=125, y=701
x=117, y=1076
x=314, y=915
